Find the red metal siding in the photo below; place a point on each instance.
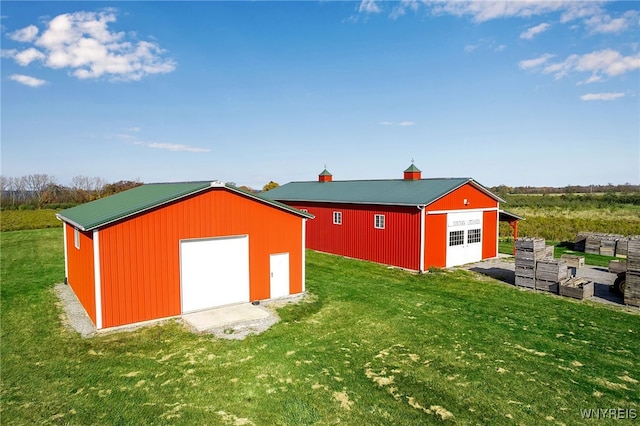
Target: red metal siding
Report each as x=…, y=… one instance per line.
x=140, y=261
x=81, y=269
x=397, y=244
x=489, y=234
x=435, y=251
x=476, y=199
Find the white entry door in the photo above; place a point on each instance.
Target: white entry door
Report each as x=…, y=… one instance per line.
x=279, y=275
x=214, y=272
x=464, y=238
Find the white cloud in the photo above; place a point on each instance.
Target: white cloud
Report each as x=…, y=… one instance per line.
x=27, y=56
x=481, y=11
x=27, y=81
x=603, y=23
x=26, y=34
x=402, y=8
x=82, y=42
x=535, y=62
x=400, y=123
x=369, y=6
x=534, y=31
x=172, y=146
x=601, y=96
x=599, y=63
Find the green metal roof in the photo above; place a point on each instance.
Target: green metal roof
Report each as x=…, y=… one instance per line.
x=106, y=210
x=388, y=192
x=325, y=172
x=412, y=168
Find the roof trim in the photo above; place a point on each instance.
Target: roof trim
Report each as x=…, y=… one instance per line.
x=130, y=214
x=205, y=187
x=273, y=203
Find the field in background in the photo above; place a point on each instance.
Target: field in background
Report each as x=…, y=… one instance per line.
x=370, y=345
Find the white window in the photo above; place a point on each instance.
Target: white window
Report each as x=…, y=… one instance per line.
x=456, y=238
x=378, y=221
x=337, y=218
x=474, y=236
x=76, y=238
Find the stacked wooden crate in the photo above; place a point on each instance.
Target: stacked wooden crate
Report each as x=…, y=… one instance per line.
x=573, y=261
x=632, y=290
x=549, y=273
x=608, y=244
x=581, y=241
x=592, y=244
x=617, y=266
x=621, y=247
x=528, y=252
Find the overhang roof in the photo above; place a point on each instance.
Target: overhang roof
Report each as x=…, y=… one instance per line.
x=505, y=216
x=104, y=211
x=384, y=192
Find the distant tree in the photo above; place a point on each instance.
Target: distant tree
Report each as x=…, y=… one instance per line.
x=81, y=187
x=246, y=188
x=270, y=185
x=231, y=184
x=123, y=185
x=36, y=185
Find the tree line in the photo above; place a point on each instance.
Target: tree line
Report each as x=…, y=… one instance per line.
x=43, y=190
x=503, y=190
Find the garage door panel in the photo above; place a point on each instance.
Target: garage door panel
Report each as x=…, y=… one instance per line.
x=214, y=272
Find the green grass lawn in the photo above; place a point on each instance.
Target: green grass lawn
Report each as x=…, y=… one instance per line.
x=371, y=346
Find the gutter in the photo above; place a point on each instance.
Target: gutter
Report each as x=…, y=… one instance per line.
x=422, y=225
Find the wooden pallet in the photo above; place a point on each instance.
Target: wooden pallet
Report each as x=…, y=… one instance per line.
x=530, y=244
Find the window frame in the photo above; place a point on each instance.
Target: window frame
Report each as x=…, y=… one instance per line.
x=379, y=221
x=337, y=218
x=456, y=238
x=76, y=238
x=477, y=236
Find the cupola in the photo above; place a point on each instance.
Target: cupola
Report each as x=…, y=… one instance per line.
x=325, y=176
x=412, y=172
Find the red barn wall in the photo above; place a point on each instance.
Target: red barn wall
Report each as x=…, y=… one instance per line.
x=397, y=244
x=81, y=269
x=140, y=259
x=476, y=199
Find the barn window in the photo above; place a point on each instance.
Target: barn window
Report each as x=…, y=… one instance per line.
x=378, y=221
x=473, y=236
x=337, y=218
x=456, y=238
x=76, y=238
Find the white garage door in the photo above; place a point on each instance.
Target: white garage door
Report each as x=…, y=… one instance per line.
x=214, y=272
x=464, y=238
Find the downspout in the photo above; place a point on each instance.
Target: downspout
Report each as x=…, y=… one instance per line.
x=422, y=214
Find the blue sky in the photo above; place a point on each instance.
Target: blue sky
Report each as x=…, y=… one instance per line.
x=531, y=93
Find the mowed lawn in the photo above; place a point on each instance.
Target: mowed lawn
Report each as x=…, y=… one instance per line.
x=370, y=346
